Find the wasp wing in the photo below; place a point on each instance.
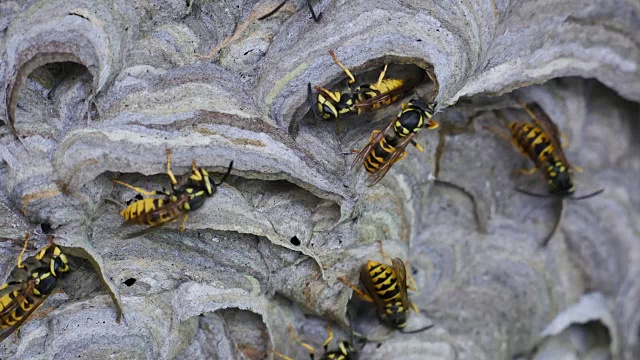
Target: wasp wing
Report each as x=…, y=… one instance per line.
x=166, y=213
x=20, y=297
x=395, y=156
x=365, y=279
x=369, y=103
x=359, y=160
x=401, y=274
x=548, y=126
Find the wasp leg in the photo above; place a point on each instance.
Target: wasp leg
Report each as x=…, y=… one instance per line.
x=373, y=135
x=277, y=354
x=576, y=168
x=294, y=336
x=411, y=283
x=364, y=296
x=382, y=73
x=414, y=307
x=140, y=190
x=184, y=221
x=564, y=140
x=24, y=247
x=384, y=254
x=174, y=182
x=352, y=79
x=329, y=337
x=503, y=134
x=525, y=171
x=335, y=96
x=418, y=146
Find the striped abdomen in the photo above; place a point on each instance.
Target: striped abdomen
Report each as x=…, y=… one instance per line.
x=152, y=211
x=379, y=155
x=386, y=86
x=532, y=142
x=384, y=280
x=15, y=305
x=387, y=287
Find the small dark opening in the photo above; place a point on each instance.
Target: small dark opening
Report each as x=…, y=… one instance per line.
x=130, y=281
x=295, y=241
x=46, y=228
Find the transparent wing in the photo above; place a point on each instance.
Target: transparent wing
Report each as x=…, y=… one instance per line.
x=384, y=169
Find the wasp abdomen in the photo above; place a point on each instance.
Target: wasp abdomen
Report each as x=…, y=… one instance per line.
x=384, y=279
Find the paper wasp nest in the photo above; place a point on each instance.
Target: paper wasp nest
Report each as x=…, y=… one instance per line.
x=98, y=90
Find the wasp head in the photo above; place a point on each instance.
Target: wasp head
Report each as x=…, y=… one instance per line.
x=560, y=179
x=59, y=262
x=395, y=315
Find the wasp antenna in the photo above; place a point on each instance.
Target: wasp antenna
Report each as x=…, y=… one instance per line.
x=418, y=330
x=311, y=103
x=553, y=231
x=533, y=194
x=273, y=11
x=313, y=13
x=587, y=196
x=226, y=174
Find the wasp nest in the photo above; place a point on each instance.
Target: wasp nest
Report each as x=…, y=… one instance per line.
x=98, y=90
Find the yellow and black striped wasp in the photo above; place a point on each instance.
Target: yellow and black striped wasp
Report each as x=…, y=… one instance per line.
x=540, y=143
x=169, y=206
x=386, y=286
x=315, y=17
x=387, y=147
x=32, y=281
x=331, y=104
x=345, y=350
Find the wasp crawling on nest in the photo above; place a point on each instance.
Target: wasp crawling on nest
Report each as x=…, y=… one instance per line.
x=157, y=208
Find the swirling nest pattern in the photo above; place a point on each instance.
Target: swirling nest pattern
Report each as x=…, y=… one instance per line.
x=114, y=83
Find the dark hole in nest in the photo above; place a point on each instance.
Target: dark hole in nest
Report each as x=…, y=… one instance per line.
x=295, y=241
x=46, y=228
x=130, y=281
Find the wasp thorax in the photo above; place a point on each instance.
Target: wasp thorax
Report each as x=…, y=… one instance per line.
x=560, y=179
x=396, y=315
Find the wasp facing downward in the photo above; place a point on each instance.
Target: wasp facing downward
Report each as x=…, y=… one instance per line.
x=540, y=143
x=33, y=280
x=386, y=286
x=169, y=206
x=345, y=350
x=331, y=104
x=388, y=146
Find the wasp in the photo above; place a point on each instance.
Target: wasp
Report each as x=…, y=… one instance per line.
x=387, y=147
x=331, y=104
x=539, y=141
x=345, y=350
x=157, y=208
x=315, y=17
x=33, y=281
x=386, y=286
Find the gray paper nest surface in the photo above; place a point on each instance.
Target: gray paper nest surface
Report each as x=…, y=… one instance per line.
x=113, y=84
